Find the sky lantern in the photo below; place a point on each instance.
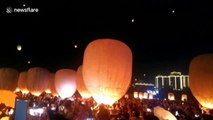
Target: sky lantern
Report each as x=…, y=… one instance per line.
x=140, y=95
x=107, y=69
x=22, y=82
x=145, y=95
x=81, y=87
x=19, y=47
x=52, y=85
x=126, y=96
x=150, y=96
x=37, y=80
x=163, y=114
x=65, y=82
x=8, y=78
x=135, y=94
x=171, y=96
x=183, y=97
x=201, y=79
x=8, y=83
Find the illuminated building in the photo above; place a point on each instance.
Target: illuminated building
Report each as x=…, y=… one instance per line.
x=175, y=81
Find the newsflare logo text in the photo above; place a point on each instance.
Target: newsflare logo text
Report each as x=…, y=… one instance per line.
x=21, y=10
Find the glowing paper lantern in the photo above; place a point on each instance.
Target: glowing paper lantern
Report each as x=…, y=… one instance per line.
x=7, y=97
x=65, y=82
x=126, y=96
x=19, y=47
x=107, y=69
x=135, y=94
x=184, y=97
x=171, y=96
x=37, y=80
x=22, y=82
x=163, y=114
x=8, y=78
x=145, y=95
x=81, y=87
x=140, y=95
x=52, y=85
x=150, y=96
x=201, y=79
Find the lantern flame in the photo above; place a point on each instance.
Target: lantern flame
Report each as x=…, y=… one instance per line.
x=64, y=93
x=206, y=102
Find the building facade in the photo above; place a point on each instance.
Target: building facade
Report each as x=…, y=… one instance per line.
x=174, y=81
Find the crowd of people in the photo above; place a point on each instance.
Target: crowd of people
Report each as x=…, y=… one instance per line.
x=75, y=108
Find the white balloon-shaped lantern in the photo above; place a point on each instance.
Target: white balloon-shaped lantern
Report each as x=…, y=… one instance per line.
x=65, y=82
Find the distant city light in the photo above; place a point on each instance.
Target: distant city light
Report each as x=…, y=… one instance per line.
x=133, y=20
x=76, y=46
x=28, y=62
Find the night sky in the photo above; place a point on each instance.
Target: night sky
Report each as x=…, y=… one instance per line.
x=164, y=35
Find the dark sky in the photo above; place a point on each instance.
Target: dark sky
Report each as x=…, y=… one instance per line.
x=161, y=41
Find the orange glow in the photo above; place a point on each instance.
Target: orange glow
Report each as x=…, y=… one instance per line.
x=135, y=94
x=7, y=97
x=201, y=79
x=81, y=87
x=5, y=118
x=8, y=79
x=25, y=91
x=37, y=80
x=65, y=82
x=171, y=96
x=48, y=91
x=22, y=82
x=36, y=93
x=107, y=69
x=17, y=90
